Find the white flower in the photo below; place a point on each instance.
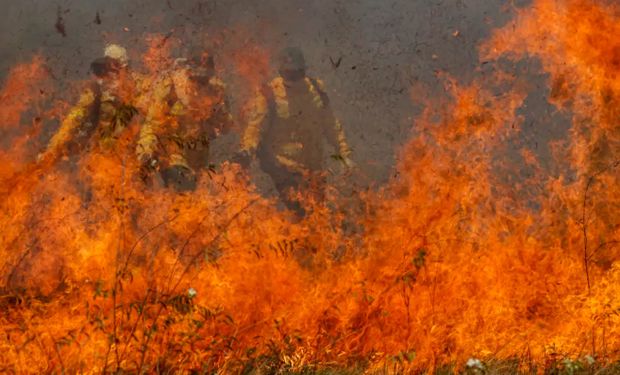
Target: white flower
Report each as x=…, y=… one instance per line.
x=191, y=293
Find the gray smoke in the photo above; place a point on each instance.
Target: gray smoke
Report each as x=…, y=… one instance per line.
x=369, y=52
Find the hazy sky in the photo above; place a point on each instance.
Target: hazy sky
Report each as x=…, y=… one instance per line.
x=384, y=46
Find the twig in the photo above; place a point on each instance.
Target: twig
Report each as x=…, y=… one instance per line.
x=584, y=226
x=587, y=257
x=144, y=235
x=55, y=345
x=135, y=326
x=169, y=290
x=25, y=253
x=119, y=251
x=602, y=245
x=124, y=269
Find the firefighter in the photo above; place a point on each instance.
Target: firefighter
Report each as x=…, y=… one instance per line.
x=188, y=110
x=102, y=112
x=287, y=123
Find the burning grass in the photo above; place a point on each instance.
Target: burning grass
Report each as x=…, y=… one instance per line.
x=445, y=264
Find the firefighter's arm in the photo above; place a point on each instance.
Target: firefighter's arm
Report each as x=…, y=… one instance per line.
x=256, y=111
x=74, y=118
x=223, y=116
x=341, y=139
x=334, y=131
x=224, y=119
x=147, y=139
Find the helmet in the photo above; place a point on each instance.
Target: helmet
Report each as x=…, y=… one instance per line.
x=291, y=58
x=116, y=52
x=292, y=64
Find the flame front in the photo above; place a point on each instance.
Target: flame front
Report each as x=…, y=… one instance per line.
x=448, y=261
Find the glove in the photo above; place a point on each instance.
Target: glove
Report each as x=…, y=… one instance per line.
x=345, y=160
x=150, y=163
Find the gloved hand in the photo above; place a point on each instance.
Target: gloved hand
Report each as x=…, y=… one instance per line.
x=349, y=163
x=243, y=158
x=150, y=162
x=345, y=160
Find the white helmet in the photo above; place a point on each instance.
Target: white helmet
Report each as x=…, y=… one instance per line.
x=116, y=52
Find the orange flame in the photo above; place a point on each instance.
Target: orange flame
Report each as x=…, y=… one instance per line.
x=443, y=264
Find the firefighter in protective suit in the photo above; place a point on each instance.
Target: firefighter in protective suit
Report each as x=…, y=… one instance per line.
x=288, y=121
x=98, y=120
x=103, y=110
x=188, y=110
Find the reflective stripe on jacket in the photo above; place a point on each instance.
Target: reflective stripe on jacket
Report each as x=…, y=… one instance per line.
x=274, y=99
x=180, y=119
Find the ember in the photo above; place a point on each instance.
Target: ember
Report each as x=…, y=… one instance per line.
x=127, y=246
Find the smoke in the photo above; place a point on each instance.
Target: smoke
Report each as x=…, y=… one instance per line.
x=370, y=54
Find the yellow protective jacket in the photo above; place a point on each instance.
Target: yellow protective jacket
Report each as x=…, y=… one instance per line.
x=98, y=112
x=181, y=120
x=287, y=124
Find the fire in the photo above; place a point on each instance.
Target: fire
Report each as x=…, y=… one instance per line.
x=446, y=263
x=19, y=94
